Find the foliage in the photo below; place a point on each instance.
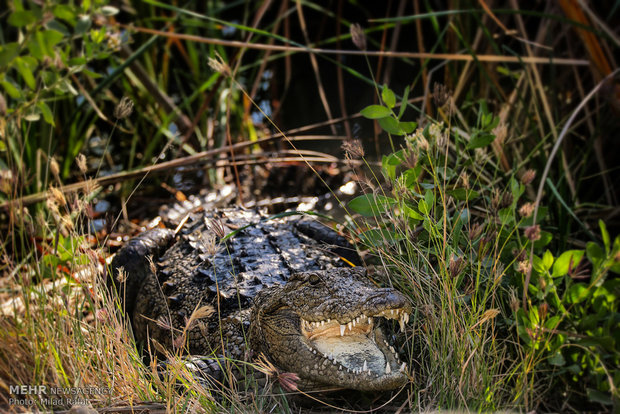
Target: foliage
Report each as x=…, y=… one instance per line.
x=475, y=238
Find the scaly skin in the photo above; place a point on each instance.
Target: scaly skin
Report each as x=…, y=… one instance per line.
x=271, y=289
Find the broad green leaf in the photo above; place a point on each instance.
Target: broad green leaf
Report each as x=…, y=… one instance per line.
x=48, y=116
x=8, y=52
x=545, y=239
x=462, y=194
x=480, y=139
x=11, y=89
x=64, y=12
x=370, y=205
x=24, y=70
x=391, y=162
x=595, y=253
x=547, y=260
x=388, y=97
x=506, y=215
x=599, y=397
x=52, y=38
x=429, y=197
x=411, y=176
x=562, y=264
x=411, y=213
x=422, y=207
x=577, y=293
x=552, y=322
x=83, y=24
x=21, y=18
x=407, y=127
x=557, y=359
x=375, y=112
x=390, y=125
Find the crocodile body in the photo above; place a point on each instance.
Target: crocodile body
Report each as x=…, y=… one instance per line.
x=281, y=287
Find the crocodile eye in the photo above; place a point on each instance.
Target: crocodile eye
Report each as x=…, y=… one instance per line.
x=314, y=279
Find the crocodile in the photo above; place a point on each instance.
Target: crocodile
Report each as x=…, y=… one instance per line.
x=234, y=283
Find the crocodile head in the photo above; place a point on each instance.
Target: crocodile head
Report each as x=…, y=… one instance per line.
x=325, y=326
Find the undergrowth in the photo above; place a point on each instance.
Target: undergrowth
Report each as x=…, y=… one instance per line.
x=509, y=312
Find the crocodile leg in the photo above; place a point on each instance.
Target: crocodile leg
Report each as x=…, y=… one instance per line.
x=135, y=260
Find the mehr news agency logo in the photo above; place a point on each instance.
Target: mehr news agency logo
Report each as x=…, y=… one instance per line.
x=27, y=395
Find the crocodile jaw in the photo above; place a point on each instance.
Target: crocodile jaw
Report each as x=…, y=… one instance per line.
x=357, y=352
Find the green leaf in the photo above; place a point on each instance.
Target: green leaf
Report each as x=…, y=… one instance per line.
x=370, y=205
x=391, y=162
x=462, y=194
x=595, y=253
x=411, y=213
x=52, y=38
x=577, y=293
x=8, y=52
x=24, y=70
x=11, y=89
x=605, y=235
x=545, y=239
x=388, y=97
x=552, y=322
x=407, y=127
x=599, y=397
x=480, y=139
x=21, y=18
x=64, y=12
x=48, y=116
x=403, y=104
x=429, y=197
x=557, y=359
x=375, y=112
x=547, y=260
x=380, y=236
x=411, y=176
x=506, y=215
x=562, y=264
x=422, y=207
x=391, y=126
x=83, y=24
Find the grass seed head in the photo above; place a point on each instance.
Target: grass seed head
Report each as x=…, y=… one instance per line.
x=124, y=108
x=80, y=160
x=528, y=176
x=358, y=36
x=353, y=148
x=526, y=210
x=533, y=232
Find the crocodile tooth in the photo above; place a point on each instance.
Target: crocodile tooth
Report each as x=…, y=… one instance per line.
x=328, y=320
x=369, y=320
x=403, y=366
x=353, y=322
x=314, y=351
x=322, y=323
x=365, y=366
x=387, y=368
x=392, y=349
x=342, y=328
x=406, y=317
x=401, y=321
x=335, y=363
x=349, y=325
x=340, y=367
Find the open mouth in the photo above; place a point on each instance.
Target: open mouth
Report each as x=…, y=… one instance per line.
x=359, y=345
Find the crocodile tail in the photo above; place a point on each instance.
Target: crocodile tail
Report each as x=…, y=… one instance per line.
x=132, y=264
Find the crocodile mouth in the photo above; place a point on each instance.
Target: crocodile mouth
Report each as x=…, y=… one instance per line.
x=359, y=345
